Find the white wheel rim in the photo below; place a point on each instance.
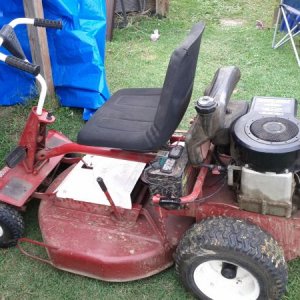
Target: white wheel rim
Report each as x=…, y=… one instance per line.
x=1, y=231
x=213, y=284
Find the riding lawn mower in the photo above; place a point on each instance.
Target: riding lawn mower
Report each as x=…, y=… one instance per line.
x=134, y=195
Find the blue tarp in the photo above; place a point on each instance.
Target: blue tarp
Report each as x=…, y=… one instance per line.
x=77, y=53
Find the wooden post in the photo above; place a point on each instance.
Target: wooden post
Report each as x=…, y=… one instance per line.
x=162, y=7
x=110, y=11
x=38, y=41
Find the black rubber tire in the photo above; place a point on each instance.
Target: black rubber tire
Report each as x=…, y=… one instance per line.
x=238, y=242
x=12, y=226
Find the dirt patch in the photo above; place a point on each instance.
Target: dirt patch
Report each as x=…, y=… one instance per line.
x=5, y=111
x=232, y=22
x=147, y=56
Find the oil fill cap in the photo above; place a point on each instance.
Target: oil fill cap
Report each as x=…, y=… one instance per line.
x=206, y=105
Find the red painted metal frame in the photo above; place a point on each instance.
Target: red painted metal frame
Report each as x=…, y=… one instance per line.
x=107, y=152
x=44, y=151
x=152, y=230
x=27, y=182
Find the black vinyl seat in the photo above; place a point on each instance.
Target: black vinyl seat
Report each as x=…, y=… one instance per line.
x=143, y=119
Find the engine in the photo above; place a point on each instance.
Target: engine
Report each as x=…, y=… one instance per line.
x=263, y=142
x=266, y=151
x=267, y=138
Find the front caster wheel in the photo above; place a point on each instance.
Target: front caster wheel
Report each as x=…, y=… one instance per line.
x=11, y=226
x=225, y=258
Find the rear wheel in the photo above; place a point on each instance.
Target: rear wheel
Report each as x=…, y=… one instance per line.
x=225, y=258
x=11, y=226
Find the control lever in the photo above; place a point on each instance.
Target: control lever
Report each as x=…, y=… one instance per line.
x=103, y=187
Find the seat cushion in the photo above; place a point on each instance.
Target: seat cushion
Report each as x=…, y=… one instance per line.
x=123, y=121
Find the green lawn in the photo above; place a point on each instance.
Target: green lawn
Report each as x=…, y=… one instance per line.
x=134, y=61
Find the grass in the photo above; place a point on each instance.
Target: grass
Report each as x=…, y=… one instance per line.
x=134, y=61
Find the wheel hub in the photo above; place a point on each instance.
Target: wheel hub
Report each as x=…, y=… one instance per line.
x=217, y=278
x=228, y=270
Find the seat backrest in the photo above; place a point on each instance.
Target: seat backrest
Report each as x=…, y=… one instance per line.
x=178, y=87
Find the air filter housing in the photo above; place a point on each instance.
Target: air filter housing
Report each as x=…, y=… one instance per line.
x=267, y=138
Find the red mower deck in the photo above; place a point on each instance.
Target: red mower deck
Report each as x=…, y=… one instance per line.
x=87, y=238
x=91, y=244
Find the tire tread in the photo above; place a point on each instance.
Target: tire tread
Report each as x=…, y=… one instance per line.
x=12, y=219
x=240, y=236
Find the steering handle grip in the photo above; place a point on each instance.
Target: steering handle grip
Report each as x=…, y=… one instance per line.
x=48, y=23
x=22, y=65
